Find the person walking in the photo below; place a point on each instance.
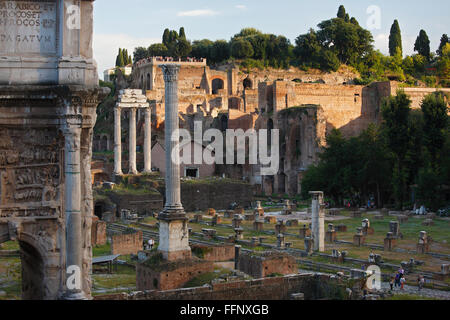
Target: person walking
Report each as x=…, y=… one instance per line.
x=397, y=280
x=402, y=282
x=420, y=282
x=391, y=283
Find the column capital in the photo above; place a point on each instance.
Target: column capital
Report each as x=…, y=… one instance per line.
x=170, y=72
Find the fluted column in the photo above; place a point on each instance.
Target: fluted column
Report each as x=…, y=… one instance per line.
x=117, y=142
x=173, y=196
x=173, y=231
x=148, y=141
x=132, y=140
x=72, y=205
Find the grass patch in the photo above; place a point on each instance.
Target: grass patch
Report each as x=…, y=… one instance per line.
x=101, y=250
x=404, y=297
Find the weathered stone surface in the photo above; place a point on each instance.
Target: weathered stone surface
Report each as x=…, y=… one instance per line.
x=260, y=266
x=130, y=243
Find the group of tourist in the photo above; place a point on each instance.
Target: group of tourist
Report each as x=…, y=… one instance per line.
x=399, y=280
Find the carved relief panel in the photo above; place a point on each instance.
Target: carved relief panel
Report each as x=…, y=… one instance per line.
x=30, y=172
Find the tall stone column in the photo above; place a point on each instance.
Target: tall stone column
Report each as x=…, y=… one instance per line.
x=173, y=231
x=148, y=141
x=318, y=221
x=117, y=142
x=132, y=139
x=72, y=204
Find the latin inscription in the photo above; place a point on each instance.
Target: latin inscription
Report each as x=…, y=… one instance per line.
x=28, y=27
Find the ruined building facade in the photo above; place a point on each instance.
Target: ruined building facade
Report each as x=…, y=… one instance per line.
x=304, y=106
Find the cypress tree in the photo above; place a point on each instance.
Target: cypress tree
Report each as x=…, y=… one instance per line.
x=166, y=36
x=422, y=45
x=395, y=39
x=182, y=34
x=341, y=12
x=444, y=41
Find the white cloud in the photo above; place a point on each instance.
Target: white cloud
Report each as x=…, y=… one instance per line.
x=241, y=7
x=197, y=13
x=106, y=47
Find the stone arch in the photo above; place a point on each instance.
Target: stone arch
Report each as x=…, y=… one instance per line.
x=217, y=84
x=148, y=81
x=39, y=260
x=142, y=83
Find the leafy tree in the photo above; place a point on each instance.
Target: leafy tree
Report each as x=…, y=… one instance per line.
x=182, y=48
x=443, y=65
x=307, y=47
x=348, y=41
x=140, y=53
x=422, y=44
x=328, y=60
x=202, y=49
x=220, y=51
x=158, y=49
x=435, y=113
x=396, y=112
x=241, y=49
x=443, y=43
x=395, y=39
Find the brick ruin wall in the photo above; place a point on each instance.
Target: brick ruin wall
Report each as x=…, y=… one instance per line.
x=217, y=253
x=98, y=232
x=263, y=266
x=127, y=243
x=314, y=287
x=201, y=196
x=149, y=279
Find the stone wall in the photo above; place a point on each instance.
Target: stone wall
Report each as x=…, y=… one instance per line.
x=170, y=275
x=98, y=231
x=314, y=287
x=215, y=253
x=260, y=266
x=127, y=243
x=219, y=194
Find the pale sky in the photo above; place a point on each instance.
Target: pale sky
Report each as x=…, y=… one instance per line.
x=133, y=23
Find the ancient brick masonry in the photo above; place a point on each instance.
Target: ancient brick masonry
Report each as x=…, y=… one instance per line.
x=279, y=288
x=260, y=266
x=130, y=243
x=98, y=232
x=167, y=275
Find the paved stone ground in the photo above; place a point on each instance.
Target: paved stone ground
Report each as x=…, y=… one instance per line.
x=425, y=292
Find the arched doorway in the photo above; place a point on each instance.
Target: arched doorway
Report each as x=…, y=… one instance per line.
x=217, y=84
x=248, y=83
x=22, y=271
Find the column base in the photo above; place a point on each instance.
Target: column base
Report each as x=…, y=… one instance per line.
x=74, y=296
x=174, y=236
